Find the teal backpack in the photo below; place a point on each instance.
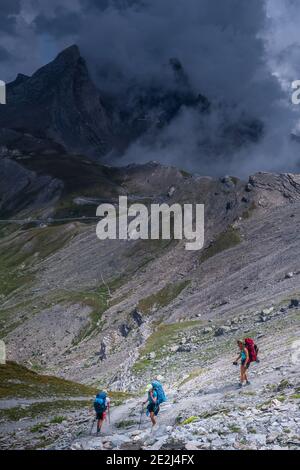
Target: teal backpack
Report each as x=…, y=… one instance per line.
x=161, y=396
x=100, y=402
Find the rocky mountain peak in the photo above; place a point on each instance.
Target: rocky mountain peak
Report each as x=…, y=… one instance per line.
x=60, y=101
x=69, y=55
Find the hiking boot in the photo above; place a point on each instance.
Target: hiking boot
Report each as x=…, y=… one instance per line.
x=248, y=383
x=240, y=385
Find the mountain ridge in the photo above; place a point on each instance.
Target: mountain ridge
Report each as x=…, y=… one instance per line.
x=61, y=102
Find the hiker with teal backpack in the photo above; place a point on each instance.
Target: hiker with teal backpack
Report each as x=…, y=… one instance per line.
x=156, y=396
x=101, y=405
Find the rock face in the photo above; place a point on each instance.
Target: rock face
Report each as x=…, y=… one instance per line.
x=60, y=102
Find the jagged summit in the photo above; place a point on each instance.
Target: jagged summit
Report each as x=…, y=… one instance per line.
x=60, y=101
x=69, y=53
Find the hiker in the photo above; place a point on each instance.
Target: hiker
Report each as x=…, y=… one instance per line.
x=153, y=406
x=101, y=405
x=156, y=396
x=245, y=362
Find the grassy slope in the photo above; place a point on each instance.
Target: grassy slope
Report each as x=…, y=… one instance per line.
x=162, y=298
x=227, y=239
x=164, y=335
x=18, y=381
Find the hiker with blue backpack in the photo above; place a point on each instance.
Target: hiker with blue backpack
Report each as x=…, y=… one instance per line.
x=156, y=396
x=101, y=406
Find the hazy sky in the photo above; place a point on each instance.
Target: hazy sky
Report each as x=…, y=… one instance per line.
x=244, y=53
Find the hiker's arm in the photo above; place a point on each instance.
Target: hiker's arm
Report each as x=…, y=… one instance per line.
x=247, y=355
x=237, y=359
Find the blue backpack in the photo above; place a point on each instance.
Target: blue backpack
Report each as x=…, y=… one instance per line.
x=100, y=402
x=161, y=396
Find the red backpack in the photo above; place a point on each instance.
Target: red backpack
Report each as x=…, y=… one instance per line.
x=252, y=349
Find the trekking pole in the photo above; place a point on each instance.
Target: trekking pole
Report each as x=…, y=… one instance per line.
x=93, y=422
x=142, y=411
x=109, y=415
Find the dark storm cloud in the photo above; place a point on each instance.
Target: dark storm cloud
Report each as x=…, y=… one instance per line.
x=62, y=23
x=104, y=4
x=221, y=47
x=228, y=50
x=9, y=9
x=216, y=42
x=4, y=55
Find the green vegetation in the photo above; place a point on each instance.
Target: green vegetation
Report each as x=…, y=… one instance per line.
x=281, y=398
x=228, y=239
x=164, y=335
x=249, y=394
x=18, y=381
x=185, y=174
x=162, y=298
x=191, y=376
x=235, y=180
x=57, y=420
x=283, y=384
x=145, y=251
x=234, y=429
x=119, y=396
x=38, y=427
x=190, y=420
x=22, y=249
x=42, y=408
x=296, y=396
x=252, y=431
x=125, y=424
x=248, y=212
x=210, y=413
x=98, y=301
x=12, y=277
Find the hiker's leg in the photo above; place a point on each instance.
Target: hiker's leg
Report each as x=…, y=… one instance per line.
x=99, y=424
x=243, y=373
x=152, y=417
x=246, y=374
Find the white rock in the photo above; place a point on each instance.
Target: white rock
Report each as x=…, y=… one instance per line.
x=207, y=330
x=192, y=445
x=171, y=191
x=76, y=446
x=257, y=438
x=267, y=311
